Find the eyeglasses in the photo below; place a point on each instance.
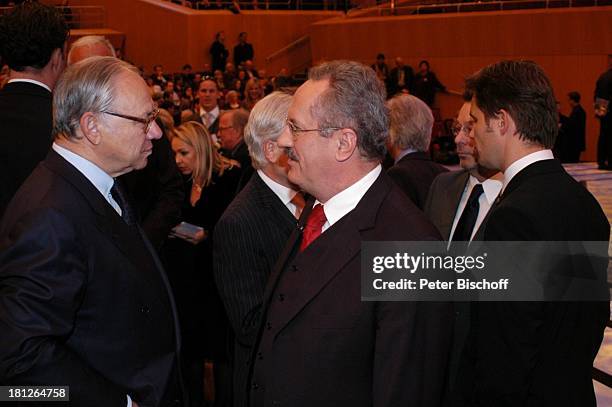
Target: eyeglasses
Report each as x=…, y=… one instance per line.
x=296, y=130
x=458, y=128
x=147, y=122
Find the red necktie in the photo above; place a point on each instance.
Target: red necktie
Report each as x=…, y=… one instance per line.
x=313, y=227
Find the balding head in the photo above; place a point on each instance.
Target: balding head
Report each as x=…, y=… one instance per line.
x=90, y=46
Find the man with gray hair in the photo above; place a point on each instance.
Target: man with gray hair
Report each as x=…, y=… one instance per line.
x=411, y=123
x=231, y=137
x=84, y=301
x=251, y=233
x=156, y=190
x=89, y=46
x=318, y=343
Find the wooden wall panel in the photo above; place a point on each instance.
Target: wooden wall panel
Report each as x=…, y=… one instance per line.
x=570, y=44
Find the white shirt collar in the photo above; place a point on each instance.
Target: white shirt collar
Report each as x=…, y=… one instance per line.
x=344, y=202
x=35, y=82
x=282, y=192
x=100, y=179
x=214, y=113
x=491, y=186
x=522, y=163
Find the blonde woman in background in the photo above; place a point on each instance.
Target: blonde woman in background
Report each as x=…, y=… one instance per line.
x=211, y=181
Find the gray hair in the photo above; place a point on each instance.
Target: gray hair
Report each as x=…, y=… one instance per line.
x=87, y=86
x=89, y=41
x=411, y=123
x=266, y=123
x=240, y=117
x=355, y=99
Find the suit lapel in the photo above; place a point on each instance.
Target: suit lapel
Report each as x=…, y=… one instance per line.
x=337, y=246
x=125, y=238
x=266, y=198
x=452, y=196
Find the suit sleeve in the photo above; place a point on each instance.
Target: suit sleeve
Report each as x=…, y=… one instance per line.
x=43, y=278
x=235, y=255
x=411, y=354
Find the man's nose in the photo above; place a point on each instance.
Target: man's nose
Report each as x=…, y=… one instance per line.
x=154, y=132
x=285, y=140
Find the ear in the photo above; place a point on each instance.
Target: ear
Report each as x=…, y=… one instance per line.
x=90, y=127
x=271, y=151
x=504, y=122
x=346, y=141
x=58, y=59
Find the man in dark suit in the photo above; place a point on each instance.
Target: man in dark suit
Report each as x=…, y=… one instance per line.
x=576, y=122
x=319, y=344
x=32, y=42
x=231, y=138
x=69, y=234
x=535, y=353
x=208, y=115
x=243, y=51
x=457, y=204
x=156, y=190
x=400, y=78
x=251, y=233
x=450, y=192
x=411, y=122
x=603, y=112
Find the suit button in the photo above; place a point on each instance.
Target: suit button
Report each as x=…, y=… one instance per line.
x=259, y=356
x=294, y=268
x=255, y=386
x=281, y=297
x=268, y=326
x=144, y=309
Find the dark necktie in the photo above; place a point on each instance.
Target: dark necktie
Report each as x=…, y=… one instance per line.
x=465, y=226
x=120, y=197
x=313, y=227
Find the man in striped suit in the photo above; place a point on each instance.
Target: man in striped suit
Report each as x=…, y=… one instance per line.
x=251, y=233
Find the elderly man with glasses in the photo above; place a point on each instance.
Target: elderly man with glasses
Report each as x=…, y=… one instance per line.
x=84, y=300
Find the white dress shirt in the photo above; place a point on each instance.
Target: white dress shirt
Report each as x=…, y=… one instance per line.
x=213, y=114
x=491, y=188
x=100, y=179
x=35, y=82
x=344, y=202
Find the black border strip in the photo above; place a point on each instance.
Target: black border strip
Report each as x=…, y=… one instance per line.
x=602, y=377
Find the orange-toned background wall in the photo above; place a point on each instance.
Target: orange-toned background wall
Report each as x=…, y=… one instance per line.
x=571, y=44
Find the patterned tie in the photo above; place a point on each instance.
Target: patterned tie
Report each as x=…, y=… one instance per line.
x=313, y=227
x=298, y=201
x=465, y=226
x=120, y=197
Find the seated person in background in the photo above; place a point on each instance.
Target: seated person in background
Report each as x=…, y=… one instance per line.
x=410, y=128
x=210, y=183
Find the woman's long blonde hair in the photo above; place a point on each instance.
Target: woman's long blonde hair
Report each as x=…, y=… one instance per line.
x=207, y=157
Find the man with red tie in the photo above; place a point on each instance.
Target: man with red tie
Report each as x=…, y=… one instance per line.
x=319, y=344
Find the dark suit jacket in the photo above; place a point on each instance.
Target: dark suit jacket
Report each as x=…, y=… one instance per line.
x=25, y=134
x=443, y=198
x=157, y=192
x=240, y=153
x=84, y=300
x=248, y=240
x=414, y=174
x=537, y=353
x=320, y=345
